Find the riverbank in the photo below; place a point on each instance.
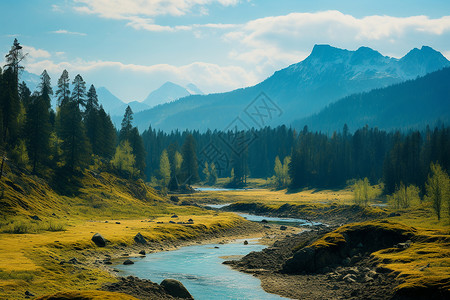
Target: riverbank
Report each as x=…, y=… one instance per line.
x=62, y=261
x=372, y=260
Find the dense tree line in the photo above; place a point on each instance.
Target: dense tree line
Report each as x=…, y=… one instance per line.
x=314, y=159
x=250, y=153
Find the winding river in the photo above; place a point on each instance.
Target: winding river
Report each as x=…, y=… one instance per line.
x=201, y=271
x=200, y=267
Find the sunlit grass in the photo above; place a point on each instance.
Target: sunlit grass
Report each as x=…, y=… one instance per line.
x=23, y=226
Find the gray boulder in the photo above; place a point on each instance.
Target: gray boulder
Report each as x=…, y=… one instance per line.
x=99, y=240
x=175, y=289
x=138, y=238
x=128, y=262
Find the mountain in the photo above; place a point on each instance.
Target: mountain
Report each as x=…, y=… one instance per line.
x=111, y=104
x=295, y=92
x=32, y=80
x=168, y=92
x=137, y=106
x=409, y=105
x=193, y=89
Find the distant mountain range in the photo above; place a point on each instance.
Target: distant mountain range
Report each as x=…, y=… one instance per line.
x=168, y=92
x=305, y=93
x=408, y=105
x=295, y=92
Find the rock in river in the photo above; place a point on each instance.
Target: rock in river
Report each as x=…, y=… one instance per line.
x=175, y=288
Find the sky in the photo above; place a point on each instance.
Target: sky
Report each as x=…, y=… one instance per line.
x=133, y=47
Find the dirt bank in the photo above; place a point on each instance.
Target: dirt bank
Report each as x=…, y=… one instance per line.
x=332, y=214
x=341, y=264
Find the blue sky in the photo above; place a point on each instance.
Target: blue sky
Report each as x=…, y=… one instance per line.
x=133, y=47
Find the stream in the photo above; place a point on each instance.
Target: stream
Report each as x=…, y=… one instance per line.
x=200, y=267
x=201, y=271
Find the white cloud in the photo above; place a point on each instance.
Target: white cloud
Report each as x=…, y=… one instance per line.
x=57, y=8
x=148, y=24
x=281, y=40
x=33, y=54
x=63, y=31
x=135, y=79
x=123, y=9
x=140, y=13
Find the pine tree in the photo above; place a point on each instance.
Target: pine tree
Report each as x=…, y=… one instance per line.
x=94, y=127
x=10, y=107
x=46, y=85
x=189, y=167
x=106, y=140
x=37, y=126
x=137, y=145
x=92, y=99
x=127, y=124
x=75, y=146
x=79, y=91
x=63, y=91
x=24, y=95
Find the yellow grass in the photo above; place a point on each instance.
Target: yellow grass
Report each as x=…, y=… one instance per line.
x=87, y=295
x=274, y=196
x=31, y=261
x=38, y=255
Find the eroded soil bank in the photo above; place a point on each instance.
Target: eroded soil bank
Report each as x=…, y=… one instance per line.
x=349, y=262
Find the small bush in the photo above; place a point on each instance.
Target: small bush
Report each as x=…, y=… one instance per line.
x=54, y=226
x=21, y=226
x=404, y=196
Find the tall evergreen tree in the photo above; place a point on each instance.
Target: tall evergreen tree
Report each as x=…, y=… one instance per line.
x=138, y=149
x=79, y=91
x=92, y=99
x=106, y=140
x=127, y=124
x=94, y=128
x=189, y=166
x=10, y=107
x=63, y=91
x=24, y=94
x=37, y=126
x=75, y=145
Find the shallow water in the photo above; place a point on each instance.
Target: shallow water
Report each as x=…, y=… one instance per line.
x=217, y=206
x=212, y=189
x=256, y=218
x=201, y=271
